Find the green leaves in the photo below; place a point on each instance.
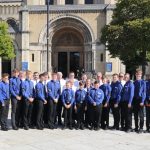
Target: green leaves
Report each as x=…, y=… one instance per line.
x=128, y=35
x=6, y=43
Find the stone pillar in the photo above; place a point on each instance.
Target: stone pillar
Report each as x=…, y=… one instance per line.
x=60, y=2
x=25, y=38
x=78, y=2
x=34, y=2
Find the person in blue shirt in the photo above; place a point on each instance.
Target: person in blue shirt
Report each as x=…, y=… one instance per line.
x=127, y=95
x=15, y=92
x=116, y=88
x=106, y=88
x=96, y=99
x=68, y=98
x=53, y=89
x=27, y=88
x=40, y=95
x=4, y=101
x=147, y=105
x=87, y=88
x=80, y=104
x=138, y=101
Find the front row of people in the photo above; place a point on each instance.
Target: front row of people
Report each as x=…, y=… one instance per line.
x=88, y=107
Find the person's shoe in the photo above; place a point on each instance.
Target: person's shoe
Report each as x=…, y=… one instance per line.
x=140, y=131
x=147, y=131
x=82, y=127
x=71, y=128
x=117, y=128
x=15, y=128
x=91, y=128
x=4, y=129
x=26, y=128
x=96, y=128
x=64, y=127
x=112, y=128
x=128, y=130
x=39, y=128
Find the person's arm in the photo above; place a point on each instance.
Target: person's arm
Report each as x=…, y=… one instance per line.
x=144, y=92
x=100, y=99
x=12, y=92
x=119, y=93
x=24, y=90
x=131, y=92
x=109, y=94
x=63, y=98
x=73, y=97
x=58, y=92
x=90, y=97
x=1, y=98
x=50, y=92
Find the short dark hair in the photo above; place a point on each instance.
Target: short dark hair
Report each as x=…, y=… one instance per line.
x=115, y=74
x=81, y=83
x=41, y=75
x=5, y=75
x=15, y=70
x=96, y=82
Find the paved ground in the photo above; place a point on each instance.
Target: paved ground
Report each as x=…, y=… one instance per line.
x=73, y=140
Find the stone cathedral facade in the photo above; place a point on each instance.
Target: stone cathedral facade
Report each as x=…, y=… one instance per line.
x=74, y=35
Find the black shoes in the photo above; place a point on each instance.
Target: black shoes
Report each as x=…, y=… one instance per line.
x=26, y=128
x=15, y=128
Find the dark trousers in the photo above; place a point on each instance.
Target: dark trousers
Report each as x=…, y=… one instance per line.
x=80, y=114
x=138, y=113
x=14, y=102
x=45, y=113
x=27, y=112
x=34, y=112
x=126, y=115
x=19, y=113
x=4, y=114
x=39, y=118
x=96, y=113
x=148, y=117
x=51, y=112
x=116, y=113
x=105, y=117
x=68, y=116
x=59, y=110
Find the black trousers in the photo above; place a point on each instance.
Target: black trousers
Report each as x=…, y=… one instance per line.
x=96, y=112
x=59, y=110
x=4, y=114
x=27, y=112
x=138, y=114
x=39, y=117
x=68, y=116
x=126, y=115
x=34, y=112
x=80, y=113
x=19, y=113
x=52, y=107
x=105, y=116
x=115, y=112
x=45, y=113
x=14, y=102
x=148, y=117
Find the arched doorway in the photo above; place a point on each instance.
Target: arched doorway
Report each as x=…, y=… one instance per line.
x=67, y=50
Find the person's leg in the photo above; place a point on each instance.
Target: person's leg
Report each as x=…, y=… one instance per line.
x=70, y=117
x=39, y=113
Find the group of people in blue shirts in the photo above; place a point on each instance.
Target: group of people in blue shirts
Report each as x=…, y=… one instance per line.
x=48, y=101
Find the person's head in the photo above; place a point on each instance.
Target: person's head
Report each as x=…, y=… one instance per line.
x=105, y=79
x=99, y=76
x=88, y=82
x=68, y=85
x=29, y=74
x=71, y=75
x=46, y=76
x=22, y=74
x=96, y=84
x=5, y=77
x=15, y=73
x=35, y=75
x=115, y=77
x=127, y=77
x=54, y=76
x=42, y=77
x=84, y=77
x=81, y=85
x=121, y=76
x=71, y=82
x=59, y=75
x=138, y=74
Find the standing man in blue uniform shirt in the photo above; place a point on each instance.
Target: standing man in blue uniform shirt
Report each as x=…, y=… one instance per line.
x=4, y=101
x=147, y=105
x=127, y=95
x=15, y=92
x=53, y=89
x=28, y=98
x=40, y=95
x=80, y=104
x=106, y=88
x=116, y=88
x=138, y=101
x=68, y=97
x=96, y=99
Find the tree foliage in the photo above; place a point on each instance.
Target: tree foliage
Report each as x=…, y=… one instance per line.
x=6, y=42
x=128, y=34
